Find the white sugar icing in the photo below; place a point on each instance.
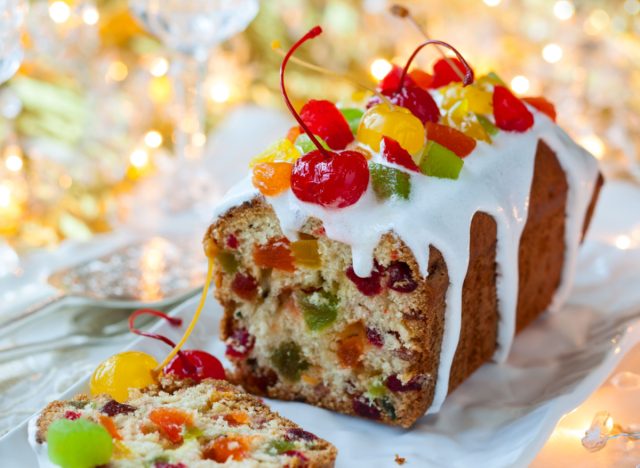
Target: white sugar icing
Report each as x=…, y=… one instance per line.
x=496, y=179
x=41, y=450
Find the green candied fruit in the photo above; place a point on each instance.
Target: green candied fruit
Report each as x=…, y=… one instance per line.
x=289, y=360
x=227, y=261
x=438, y=161
x=389, y=182
x=387, y=407
x=488, y=126
x=493, y=78
x=353, y=116
x=78, y=444
x=276, y=447
x=319, y=309
x=377, y=389
x=305, y=145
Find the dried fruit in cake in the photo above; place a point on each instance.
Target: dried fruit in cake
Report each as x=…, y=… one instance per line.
x=272, y=178
x=306, y=253
x=171, y=422
x=370, y=285
x=121, y=372
x=245, y=286
x=351, y=344
x=274, y=254
x=451, y=138
x=78, y=444
x=438, y=161
x=319, y=309
x=400, y=278
x=394, y=153
x=325, y=120
x=510, y=112
x=289, y=360
x=543, y=105
x=394, y=122
x=388, y=182
x=240, y=343
x=227, y=447
x=227, y=260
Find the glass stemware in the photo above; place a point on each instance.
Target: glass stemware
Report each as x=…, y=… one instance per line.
x=12, y=13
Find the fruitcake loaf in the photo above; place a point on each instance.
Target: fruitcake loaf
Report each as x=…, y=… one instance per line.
x=379, y=254
x=175, y=424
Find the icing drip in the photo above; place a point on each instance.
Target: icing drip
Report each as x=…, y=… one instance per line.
x=496, y=179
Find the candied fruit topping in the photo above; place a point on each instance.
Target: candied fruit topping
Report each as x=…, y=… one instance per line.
x=113, y=408
x=487, y=125
x=293, y=133
x=332, y=180
x=438, y=161
x=79, y=443
x=282, y=150
x=274, y=254
x=394, y=122
x=394, y=384
x=245, y=286
x=325, y=120
x=543, y=105
x=319, y=309
x=444, y=72
x=369, y=286
x=272, y=178
x=171, y=422
x=388, y=182
x=400, y=277
x=71, y=415
x=121, y=372
x=305, y=145
x=227, y=447
x=365, y=408
x=240, y=343
x=510, y=112
x=306, y=253
x=421, y=78
x=352, y=116
x=289, y=360
x=396, y=154
x=228, y=261
x=199, y=365
x=351, y=344
x=452, y=139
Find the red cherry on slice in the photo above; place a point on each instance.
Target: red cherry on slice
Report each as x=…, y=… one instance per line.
x=444, y=73
x=325, y=120
x=336, y=181
x=510, y=112
x=394, y=153
x=195, y=364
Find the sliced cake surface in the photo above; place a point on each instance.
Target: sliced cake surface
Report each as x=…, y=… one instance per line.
x=177, y=424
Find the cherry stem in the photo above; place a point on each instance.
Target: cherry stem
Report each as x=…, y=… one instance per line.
x=313, y=32
x=174, y=321
x=468, y=76
x=403, y=12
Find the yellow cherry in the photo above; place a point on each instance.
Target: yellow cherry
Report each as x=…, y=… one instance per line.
x=121, y=372
x=394, y=122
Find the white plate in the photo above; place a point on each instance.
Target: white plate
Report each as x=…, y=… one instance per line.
x=503, y=414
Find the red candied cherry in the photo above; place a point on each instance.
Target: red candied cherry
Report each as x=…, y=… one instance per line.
x=161, y=464
x=112, y=408
x=71, y=415
x=325, y=120
x=240, y=343
x=299, y=434
x=449, y=70
x=195, y=364
x=245, y=286
x=394, y=384
x=400, y=277
x=394, y=153
x=333, y=179
x=369, y=286
x=232, y=241
x=296, y=453
x=363, y=407
x=375, y=337
x=510, y=112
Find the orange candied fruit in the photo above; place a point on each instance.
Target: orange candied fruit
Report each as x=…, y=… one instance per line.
x=421, y=78
x=274, y=254
x=305, y=252
x=225, y=447
x=293, y=133
x=171, y=421
x=543, y=105
x=110, y=426
x=237, y=418
x=351, y=344
x=272, y=178
x=451, y=138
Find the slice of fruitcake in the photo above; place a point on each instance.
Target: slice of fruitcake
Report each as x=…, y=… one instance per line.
x=379, y=254
x=175, y=424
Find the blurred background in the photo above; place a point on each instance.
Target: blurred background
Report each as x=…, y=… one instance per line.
x=88, y=116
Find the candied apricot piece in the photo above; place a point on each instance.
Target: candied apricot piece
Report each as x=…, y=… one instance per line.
x=451, y=138
x=274, y=254
x=171, y=422
x=305, y=252
x=227, y=446
x=237, y=418
x=272, y=178
x=351, y=344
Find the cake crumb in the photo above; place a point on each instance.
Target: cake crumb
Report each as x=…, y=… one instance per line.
x=400, y=460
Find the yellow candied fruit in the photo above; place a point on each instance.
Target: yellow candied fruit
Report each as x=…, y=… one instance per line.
x=480, y=101
x=475, y=130
x=281, y=150
x=305, y=253
x=121, y=372
x=121, y=451
x=217, y=396
x=394, y=122
x=310, y=379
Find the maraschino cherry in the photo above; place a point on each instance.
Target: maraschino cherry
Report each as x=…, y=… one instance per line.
x=187, y=364
x=333, y=179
